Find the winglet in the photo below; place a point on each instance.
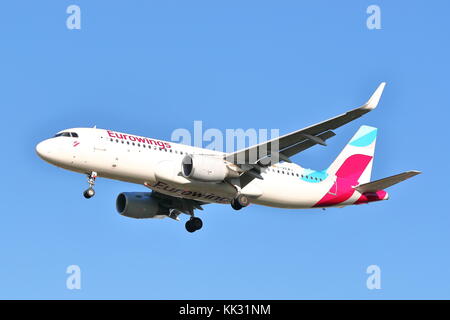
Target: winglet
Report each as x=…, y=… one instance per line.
x=375, y=98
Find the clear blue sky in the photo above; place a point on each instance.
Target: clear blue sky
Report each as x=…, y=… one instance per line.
x=149, y=67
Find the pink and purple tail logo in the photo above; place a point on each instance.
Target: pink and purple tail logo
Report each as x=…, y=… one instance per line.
x=346, y=178
x=350, y=171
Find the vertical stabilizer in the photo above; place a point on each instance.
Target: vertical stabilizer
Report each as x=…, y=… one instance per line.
x=356, y=159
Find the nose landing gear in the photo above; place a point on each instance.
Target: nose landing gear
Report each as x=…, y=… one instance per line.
x=89, y=192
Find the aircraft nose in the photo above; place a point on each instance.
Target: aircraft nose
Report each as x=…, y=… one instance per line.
x=43, y=150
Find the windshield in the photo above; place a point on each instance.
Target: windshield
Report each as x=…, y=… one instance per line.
x=66, y=134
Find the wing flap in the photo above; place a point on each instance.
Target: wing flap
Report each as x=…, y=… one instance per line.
x=299, y=147
x=182, y=205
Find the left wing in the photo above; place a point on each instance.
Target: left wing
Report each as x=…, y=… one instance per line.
x=283, y=147
x=175, y=206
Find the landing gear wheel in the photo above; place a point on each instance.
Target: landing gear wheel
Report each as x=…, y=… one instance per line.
x=240, y=202
x=197, y=222
x=194, y=224
x=235, y=205
x=190, y=226
x=89, y=193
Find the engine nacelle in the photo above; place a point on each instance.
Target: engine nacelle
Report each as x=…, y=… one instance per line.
x=205, y=168
x=139, y=205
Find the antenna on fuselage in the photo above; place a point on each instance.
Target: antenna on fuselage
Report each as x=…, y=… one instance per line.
x=95, y=127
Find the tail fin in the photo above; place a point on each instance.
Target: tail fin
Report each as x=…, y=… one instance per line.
x=356, y=159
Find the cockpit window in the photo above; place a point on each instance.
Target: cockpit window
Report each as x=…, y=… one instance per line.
x=67, y=134
x=62, y=134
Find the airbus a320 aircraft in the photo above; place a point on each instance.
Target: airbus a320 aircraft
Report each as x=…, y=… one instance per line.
x=184, y=178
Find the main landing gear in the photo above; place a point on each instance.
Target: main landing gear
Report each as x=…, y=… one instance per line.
x=194, y=224
x=89, y=192
x=239, y=202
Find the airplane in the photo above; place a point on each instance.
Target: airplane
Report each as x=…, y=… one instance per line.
x=184, y=178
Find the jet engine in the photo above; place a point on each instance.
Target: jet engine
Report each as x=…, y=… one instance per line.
x=206, y=168
x=139, y=205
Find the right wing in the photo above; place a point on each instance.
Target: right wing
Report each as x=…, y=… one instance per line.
x=283, y=147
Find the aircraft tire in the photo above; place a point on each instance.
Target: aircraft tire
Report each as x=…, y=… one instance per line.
x=235, y=205
x=242, y=200
x=89, y=193
x=193, y=224
x=197, y=223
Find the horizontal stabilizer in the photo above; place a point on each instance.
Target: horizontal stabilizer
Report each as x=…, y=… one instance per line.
x=384, y=183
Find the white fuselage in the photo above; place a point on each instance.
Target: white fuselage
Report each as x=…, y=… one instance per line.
x=157, y=164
